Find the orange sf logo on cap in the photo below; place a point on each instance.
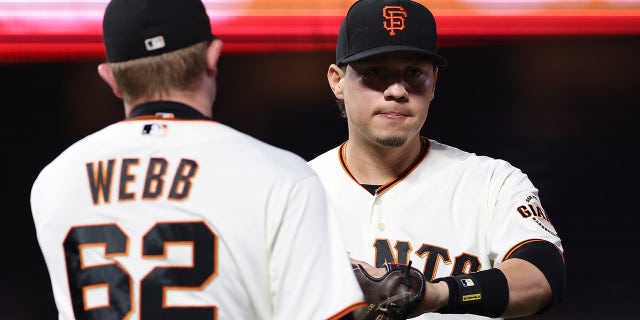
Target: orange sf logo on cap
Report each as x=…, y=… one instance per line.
x=394, y=18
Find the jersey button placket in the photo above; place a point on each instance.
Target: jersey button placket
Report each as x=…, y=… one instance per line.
x=377, y=225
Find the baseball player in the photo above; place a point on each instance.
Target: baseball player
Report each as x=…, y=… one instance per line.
x=475, y=226
x=171, y=215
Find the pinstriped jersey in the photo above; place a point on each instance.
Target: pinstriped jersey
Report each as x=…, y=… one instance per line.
x=451, y=212
x=159, y=216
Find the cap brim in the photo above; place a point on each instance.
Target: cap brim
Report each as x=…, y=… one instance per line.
x=437, y=59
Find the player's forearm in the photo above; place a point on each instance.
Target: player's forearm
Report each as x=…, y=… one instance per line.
x=436, y=297
x=529, y=290
x=517, y=288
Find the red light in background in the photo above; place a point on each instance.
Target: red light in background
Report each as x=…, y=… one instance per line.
x=32, y=31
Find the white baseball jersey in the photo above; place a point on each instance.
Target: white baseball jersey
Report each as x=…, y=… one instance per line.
x=174, y=216
x=452, y=212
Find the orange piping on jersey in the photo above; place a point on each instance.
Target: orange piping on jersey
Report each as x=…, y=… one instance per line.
x=85, y=289
x=424, y=149
x=517, y=246
x=342, y=155
x=349, y=310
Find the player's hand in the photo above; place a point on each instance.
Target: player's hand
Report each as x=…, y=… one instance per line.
x=393, y=292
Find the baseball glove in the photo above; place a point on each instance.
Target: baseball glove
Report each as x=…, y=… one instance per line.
x=394, y=295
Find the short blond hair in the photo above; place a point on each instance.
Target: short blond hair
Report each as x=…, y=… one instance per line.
x=156, y=76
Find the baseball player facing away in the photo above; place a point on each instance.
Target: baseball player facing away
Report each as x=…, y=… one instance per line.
x=474, y=225
x=170, y=215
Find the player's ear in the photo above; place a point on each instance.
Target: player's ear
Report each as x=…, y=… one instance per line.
x=335, y=76
x=213, y=55
x=105, y=72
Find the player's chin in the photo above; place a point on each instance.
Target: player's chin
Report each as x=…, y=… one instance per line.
x=391, y=140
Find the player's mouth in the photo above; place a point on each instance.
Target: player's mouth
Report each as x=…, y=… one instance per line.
x=392, y=115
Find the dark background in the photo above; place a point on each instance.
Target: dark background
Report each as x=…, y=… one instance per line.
x=564, y=110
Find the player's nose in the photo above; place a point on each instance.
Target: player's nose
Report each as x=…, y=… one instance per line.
x=396, y=91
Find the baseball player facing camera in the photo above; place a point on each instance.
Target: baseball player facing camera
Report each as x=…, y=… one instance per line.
x=473, y=225
x=171, y=215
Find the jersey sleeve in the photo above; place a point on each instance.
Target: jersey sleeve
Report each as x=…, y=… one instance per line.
x=311, y=274
x=516, y=213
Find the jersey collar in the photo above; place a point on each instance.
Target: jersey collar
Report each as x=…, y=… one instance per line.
x=167, y=110
x=424, y=149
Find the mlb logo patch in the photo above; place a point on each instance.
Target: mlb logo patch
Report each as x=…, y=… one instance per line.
x=154, y=43
x=467, y=282
x=154, y=129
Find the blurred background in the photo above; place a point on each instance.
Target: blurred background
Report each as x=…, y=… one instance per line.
x=550, y=86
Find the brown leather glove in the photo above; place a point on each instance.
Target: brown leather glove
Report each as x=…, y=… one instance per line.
x=394, y=295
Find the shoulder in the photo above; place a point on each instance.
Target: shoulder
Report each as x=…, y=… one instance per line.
x=207, y=142
x=445, y=154
x=327, y=160
x=256, y=157
x=277, y=158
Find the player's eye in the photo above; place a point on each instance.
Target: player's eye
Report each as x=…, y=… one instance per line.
x=374, y=72
x=416, y=77
x=413, y=73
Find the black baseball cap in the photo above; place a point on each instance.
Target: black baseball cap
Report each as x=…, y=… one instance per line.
x=133, y=29
x=373, y=27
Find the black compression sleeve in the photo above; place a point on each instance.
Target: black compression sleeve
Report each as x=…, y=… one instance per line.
x=546, y=257
x=484, y=293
